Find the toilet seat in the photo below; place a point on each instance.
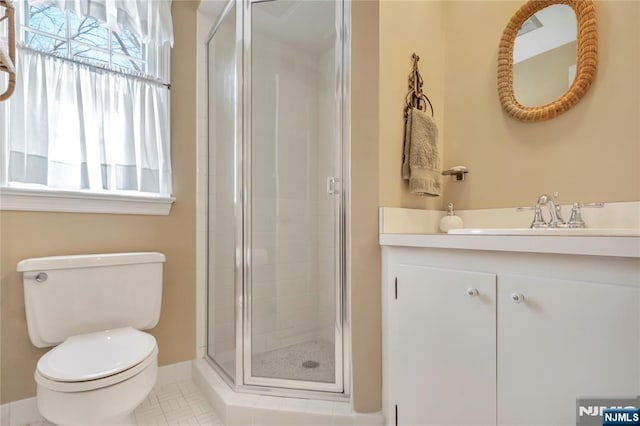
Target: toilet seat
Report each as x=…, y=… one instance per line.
x=95, y=360
x=96, y=355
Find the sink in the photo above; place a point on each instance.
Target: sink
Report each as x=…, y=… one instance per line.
x=577, y=232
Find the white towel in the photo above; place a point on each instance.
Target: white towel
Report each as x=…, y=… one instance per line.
x=421, y=162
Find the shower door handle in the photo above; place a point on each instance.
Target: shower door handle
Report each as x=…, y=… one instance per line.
x=332, y=187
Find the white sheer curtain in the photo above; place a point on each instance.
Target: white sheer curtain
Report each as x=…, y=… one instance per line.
x=73, y=126
x=149, y=20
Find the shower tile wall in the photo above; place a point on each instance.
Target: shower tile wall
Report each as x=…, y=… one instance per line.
x=291, y=216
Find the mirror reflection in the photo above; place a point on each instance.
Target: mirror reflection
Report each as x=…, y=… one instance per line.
x=545, y=55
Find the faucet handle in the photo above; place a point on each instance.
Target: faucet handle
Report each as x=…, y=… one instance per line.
x=575, y=221
x=590, y=205
x=538, y=220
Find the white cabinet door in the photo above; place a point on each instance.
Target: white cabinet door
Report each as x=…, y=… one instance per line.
x=441, y=348
x=564, y=340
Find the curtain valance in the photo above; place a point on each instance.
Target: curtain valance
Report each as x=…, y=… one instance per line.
x=149, y=20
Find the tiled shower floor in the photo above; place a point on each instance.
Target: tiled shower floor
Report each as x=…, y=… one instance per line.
x=287, y=362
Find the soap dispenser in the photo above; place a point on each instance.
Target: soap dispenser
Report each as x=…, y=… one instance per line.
x=450, y=221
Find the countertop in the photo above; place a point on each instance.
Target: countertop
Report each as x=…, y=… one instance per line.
x=616, y=246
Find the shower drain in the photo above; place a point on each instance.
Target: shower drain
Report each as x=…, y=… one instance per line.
x=310, y=364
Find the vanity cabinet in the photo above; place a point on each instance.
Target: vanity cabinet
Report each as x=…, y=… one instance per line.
x=443, y=346
x=505, y=339
x=564, y=340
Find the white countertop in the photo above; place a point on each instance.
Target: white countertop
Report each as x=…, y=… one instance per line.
x=616, y=246
x=571, y=232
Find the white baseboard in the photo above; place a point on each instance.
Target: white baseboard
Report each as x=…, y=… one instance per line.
x=22, y=412
x=174, y=373
x=25, y=411
x=4, y=415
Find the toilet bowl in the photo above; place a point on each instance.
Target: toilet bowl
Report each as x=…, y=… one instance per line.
x=97, y=378
x=91, y=308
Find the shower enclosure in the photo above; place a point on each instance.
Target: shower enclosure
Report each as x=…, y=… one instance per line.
x=277, y=150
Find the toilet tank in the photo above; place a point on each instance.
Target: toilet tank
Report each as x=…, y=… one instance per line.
x=70, y=295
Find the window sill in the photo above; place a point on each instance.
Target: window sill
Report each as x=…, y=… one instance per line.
x=82, y=202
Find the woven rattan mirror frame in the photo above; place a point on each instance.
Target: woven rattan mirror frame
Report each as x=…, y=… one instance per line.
x=587, y=64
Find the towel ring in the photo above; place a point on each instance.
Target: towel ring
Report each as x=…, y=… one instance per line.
x=416, y=98
x=419, y=102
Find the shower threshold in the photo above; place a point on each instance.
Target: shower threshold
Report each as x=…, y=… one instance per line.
x=240, y=408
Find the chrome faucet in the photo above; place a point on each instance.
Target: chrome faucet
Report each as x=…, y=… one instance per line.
x=555, y=213
x=555, y=210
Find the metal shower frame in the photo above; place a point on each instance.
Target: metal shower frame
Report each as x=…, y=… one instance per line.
x=243, y=381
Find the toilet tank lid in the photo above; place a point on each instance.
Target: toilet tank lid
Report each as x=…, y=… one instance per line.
x=88, y=261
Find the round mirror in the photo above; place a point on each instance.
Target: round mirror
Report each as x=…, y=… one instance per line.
x=544, y=67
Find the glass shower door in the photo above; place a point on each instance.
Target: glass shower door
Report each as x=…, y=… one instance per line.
x=224, y=274
x=293, y=172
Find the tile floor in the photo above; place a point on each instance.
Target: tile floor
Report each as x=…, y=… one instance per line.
x=175, y=404
x=179, y=404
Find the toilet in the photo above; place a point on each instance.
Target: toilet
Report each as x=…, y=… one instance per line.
x=91, y=309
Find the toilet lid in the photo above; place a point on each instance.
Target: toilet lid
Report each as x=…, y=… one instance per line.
x=96, y=355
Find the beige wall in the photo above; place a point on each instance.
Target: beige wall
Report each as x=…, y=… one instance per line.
x=31, y=234
x=365, y=251
x=407, y=27
x=590, y=153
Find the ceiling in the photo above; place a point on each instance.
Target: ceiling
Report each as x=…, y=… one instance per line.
x=306, y=24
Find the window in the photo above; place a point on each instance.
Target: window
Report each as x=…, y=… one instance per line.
x=49, y=29
x=88, y=121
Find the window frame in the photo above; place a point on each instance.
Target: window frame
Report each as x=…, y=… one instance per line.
x=53, y=200
x=28, y=198
x=149, y=56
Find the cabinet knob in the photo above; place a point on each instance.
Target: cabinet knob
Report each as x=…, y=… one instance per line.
x=517, y=297
x=472, y=292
